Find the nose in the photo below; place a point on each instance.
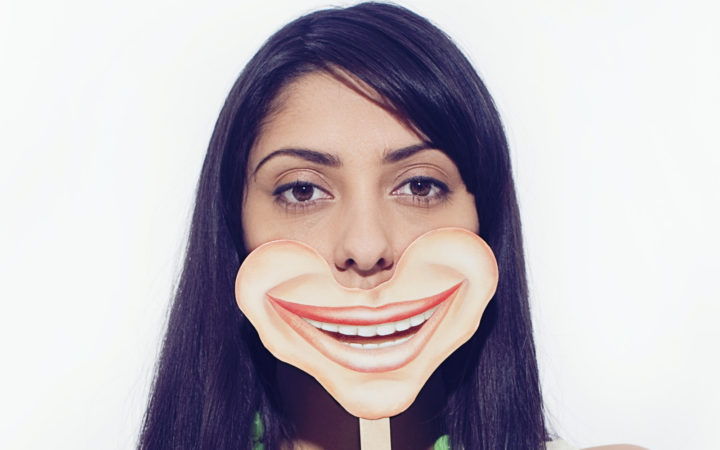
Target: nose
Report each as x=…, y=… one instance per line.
x=363, y=250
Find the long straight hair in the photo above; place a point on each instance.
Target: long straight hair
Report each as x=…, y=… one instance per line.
x=213, y=376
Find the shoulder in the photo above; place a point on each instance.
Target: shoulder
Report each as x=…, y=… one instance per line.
x=616, y=447
x=564, y=445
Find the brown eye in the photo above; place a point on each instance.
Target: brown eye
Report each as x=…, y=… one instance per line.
x=421, y=188
x=423, y=191
x=303, y=192
x=300, y=193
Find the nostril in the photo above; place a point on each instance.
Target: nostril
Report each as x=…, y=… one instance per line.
x=346, y=265
x=384, y=264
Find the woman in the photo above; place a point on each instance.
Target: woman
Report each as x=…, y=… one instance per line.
x=354, y=130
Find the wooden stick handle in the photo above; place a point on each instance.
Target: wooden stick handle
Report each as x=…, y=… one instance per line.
x=375, y=434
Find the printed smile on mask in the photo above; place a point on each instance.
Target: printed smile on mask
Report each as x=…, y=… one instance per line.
x=374, y=336
x=370, y=328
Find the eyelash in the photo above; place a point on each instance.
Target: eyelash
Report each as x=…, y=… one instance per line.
x=439, y=191
x=282, y=194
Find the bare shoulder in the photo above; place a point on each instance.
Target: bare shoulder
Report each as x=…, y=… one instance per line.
x=617, y=447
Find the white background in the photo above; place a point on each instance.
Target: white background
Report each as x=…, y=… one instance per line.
x=611, y=109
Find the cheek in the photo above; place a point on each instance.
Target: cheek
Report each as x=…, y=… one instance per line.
x=462, y=213
x=459, y=212
x=264, y=221
x=257, y=220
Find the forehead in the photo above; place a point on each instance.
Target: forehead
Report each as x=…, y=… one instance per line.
x=320, y=112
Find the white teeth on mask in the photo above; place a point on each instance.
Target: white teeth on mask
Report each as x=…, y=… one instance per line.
x=348, y=330
x=382, y=345
x=402, y=325
x=386, y=330
x=383, y=329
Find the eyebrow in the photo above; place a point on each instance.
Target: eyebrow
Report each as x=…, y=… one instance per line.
x=330, y=160
x=393, y=156
x=326, y=159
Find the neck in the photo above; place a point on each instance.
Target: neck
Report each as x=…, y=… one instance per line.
x=321, y=423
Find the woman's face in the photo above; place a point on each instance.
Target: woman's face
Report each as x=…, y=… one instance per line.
x=336, y=171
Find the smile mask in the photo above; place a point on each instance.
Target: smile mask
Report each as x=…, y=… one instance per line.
x=372, y=350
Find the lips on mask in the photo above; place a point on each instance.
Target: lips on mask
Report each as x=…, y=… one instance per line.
x=372, y=350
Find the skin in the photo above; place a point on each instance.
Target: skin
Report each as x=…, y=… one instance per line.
x=333, y=169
